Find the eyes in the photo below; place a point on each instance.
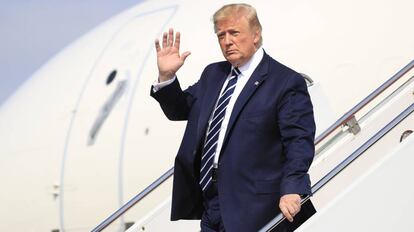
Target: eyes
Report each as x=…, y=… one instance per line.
x=233, y=33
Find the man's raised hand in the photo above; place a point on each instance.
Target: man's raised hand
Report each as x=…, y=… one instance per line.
x=169, y=59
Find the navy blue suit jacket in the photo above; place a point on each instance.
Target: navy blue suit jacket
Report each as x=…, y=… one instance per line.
x=267, y=149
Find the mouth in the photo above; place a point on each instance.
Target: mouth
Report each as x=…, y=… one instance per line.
x=230, y=52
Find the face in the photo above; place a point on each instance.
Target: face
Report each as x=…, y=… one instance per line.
x=237, y=40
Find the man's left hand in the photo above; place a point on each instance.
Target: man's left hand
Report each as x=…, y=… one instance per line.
x=290, y=205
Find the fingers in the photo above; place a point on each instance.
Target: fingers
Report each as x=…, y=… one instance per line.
x=164, y=39
x=177, y=40
x=157, y=45
x=184, y=56
x=293, y=210
x=286, y=213
x=170, y=37
x=290, y=205
x=170, y=45
x=289, y=211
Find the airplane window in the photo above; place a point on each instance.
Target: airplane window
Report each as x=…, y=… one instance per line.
x=111, y=77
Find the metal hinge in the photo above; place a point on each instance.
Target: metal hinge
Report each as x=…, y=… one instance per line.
x=353, y=126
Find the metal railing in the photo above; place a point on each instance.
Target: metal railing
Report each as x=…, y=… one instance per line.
x=340, y=167
x=134, y=200
x=279, y=218
x=343, y=121
x=349, y=115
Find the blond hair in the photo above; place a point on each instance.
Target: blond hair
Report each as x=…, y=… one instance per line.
x=240, y=9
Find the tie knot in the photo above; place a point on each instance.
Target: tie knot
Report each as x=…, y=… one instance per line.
x=235, y=72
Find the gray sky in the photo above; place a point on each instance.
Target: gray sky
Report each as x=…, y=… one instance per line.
x=32, y=31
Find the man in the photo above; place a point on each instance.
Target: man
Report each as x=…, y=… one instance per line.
x=249, y=139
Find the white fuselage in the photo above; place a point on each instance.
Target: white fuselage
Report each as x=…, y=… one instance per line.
x=74, y=148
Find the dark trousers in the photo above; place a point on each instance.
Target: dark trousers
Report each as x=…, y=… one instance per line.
x=211, y=219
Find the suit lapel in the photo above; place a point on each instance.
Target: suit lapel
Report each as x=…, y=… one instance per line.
x=215, y=83
x=256, y=79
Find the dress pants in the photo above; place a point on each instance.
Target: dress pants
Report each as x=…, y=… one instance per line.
x=211, y=218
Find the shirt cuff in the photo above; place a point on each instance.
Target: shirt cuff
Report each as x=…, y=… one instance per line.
x=159, y=85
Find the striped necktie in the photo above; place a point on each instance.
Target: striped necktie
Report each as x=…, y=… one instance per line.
x=213, y=131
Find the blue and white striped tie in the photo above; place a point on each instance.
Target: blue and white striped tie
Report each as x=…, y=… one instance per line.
x=213, y=131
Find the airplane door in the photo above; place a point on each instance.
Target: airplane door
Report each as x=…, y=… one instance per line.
x=92, y=174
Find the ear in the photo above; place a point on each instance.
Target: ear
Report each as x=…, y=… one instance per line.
x=256, y=37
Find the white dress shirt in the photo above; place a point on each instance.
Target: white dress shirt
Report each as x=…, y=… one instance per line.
x=246, y=71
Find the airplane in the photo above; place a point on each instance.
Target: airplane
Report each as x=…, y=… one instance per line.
x=82, y=136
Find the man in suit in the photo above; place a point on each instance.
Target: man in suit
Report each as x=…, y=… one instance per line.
x=249, y=139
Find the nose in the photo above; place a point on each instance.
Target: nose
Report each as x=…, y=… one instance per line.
x=227, y=39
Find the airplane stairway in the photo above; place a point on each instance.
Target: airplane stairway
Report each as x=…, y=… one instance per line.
x=360, y=155
x=379, y=200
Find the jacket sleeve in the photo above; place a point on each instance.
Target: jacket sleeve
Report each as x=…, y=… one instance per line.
x=175, y=102
x=297, y=128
